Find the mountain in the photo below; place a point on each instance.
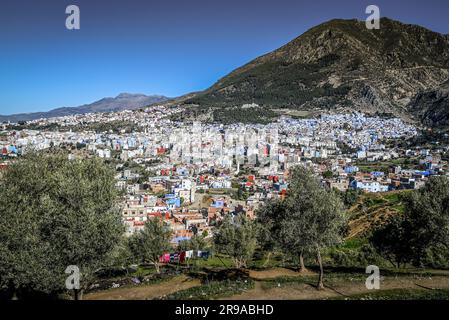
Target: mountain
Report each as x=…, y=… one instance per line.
x=431, y=107
x=124, y=101
x=339, y=65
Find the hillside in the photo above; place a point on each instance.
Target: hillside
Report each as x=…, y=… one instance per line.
x=124, y=101
x=339, y=65
x=373, y=209
x=431, y=107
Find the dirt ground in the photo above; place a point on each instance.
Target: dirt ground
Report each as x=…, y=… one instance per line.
x=341, y=288
x=335, y=287
x=275, y=273
x=145, y=292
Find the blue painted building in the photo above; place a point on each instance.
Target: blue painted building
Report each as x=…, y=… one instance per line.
x=369, y=186
x=172, y=201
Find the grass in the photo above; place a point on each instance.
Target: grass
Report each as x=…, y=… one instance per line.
x=392, y=197
x=330, y=279
x=287, y=281
x=295, y=114
x=373, y=209
x=337, y=276
x=220, y=282
x=213, y=290
x=143, y=271
x=261, y=264
x=153, y=279
x=353, y=244
x=384, y=166
x=371, y=202
x=216, y=261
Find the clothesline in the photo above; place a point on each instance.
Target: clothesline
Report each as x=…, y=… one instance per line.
x=183, y=256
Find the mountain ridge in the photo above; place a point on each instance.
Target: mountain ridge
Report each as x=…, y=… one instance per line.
x=123, y=101
x=339, y=65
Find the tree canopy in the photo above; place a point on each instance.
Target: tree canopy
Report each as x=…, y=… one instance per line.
x=309, y=219
x=151, y=242
x=423, y=227
x=237, y=239
x=55, y=212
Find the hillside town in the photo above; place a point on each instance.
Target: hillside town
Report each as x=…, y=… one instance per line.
x=194, y=174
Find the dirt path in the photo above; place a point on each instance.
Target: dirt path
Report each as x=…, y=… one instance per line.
x=275, y=273
x=145, y=292
x=300, y=291
x=340, y=288
x=282, y=290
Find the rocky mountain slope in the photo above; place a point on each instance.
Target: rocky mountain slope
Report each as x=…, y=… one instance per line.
x=124, y=101
x=339, y=65
x=431, y=107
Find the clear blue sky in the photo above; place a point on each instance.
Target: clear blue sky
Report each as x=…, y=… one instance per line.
x=168, y=47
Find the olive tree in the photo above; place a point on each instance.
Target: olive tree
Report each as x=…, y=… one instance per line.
x=237, y=239
x=122, y=257
x=423, y=227
x=314, y=217
x=269, y=218
x=392, y=241
x=55, y=212
x=197, y=242
x=427, y=216
x=148, y=244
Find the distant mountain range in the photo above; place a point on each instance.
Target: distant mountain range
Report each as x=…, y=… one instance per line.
x=339, y=65
x=124, y=101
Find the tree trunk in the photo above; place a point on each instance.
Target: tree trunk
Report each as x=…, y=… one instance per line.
x=77, y=294
x=392, y=263
x=320, y=284
x=220, y=261
x=238, y=263
x=302, y=267
x=156, y=265
x=267, y=260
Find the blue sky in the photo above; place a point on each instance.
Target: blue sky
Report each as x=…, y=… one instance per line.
x=168, y=47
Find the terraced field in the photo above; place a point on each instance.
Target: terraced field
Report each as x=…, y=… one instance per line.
x=372, y=209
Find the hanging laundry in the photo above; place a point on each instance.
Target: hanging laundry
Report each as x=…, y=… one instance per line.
x=182, y=256
x=189, y=254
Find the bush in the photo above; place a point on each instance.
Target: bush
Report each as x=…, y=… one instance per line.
x=354, y=253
